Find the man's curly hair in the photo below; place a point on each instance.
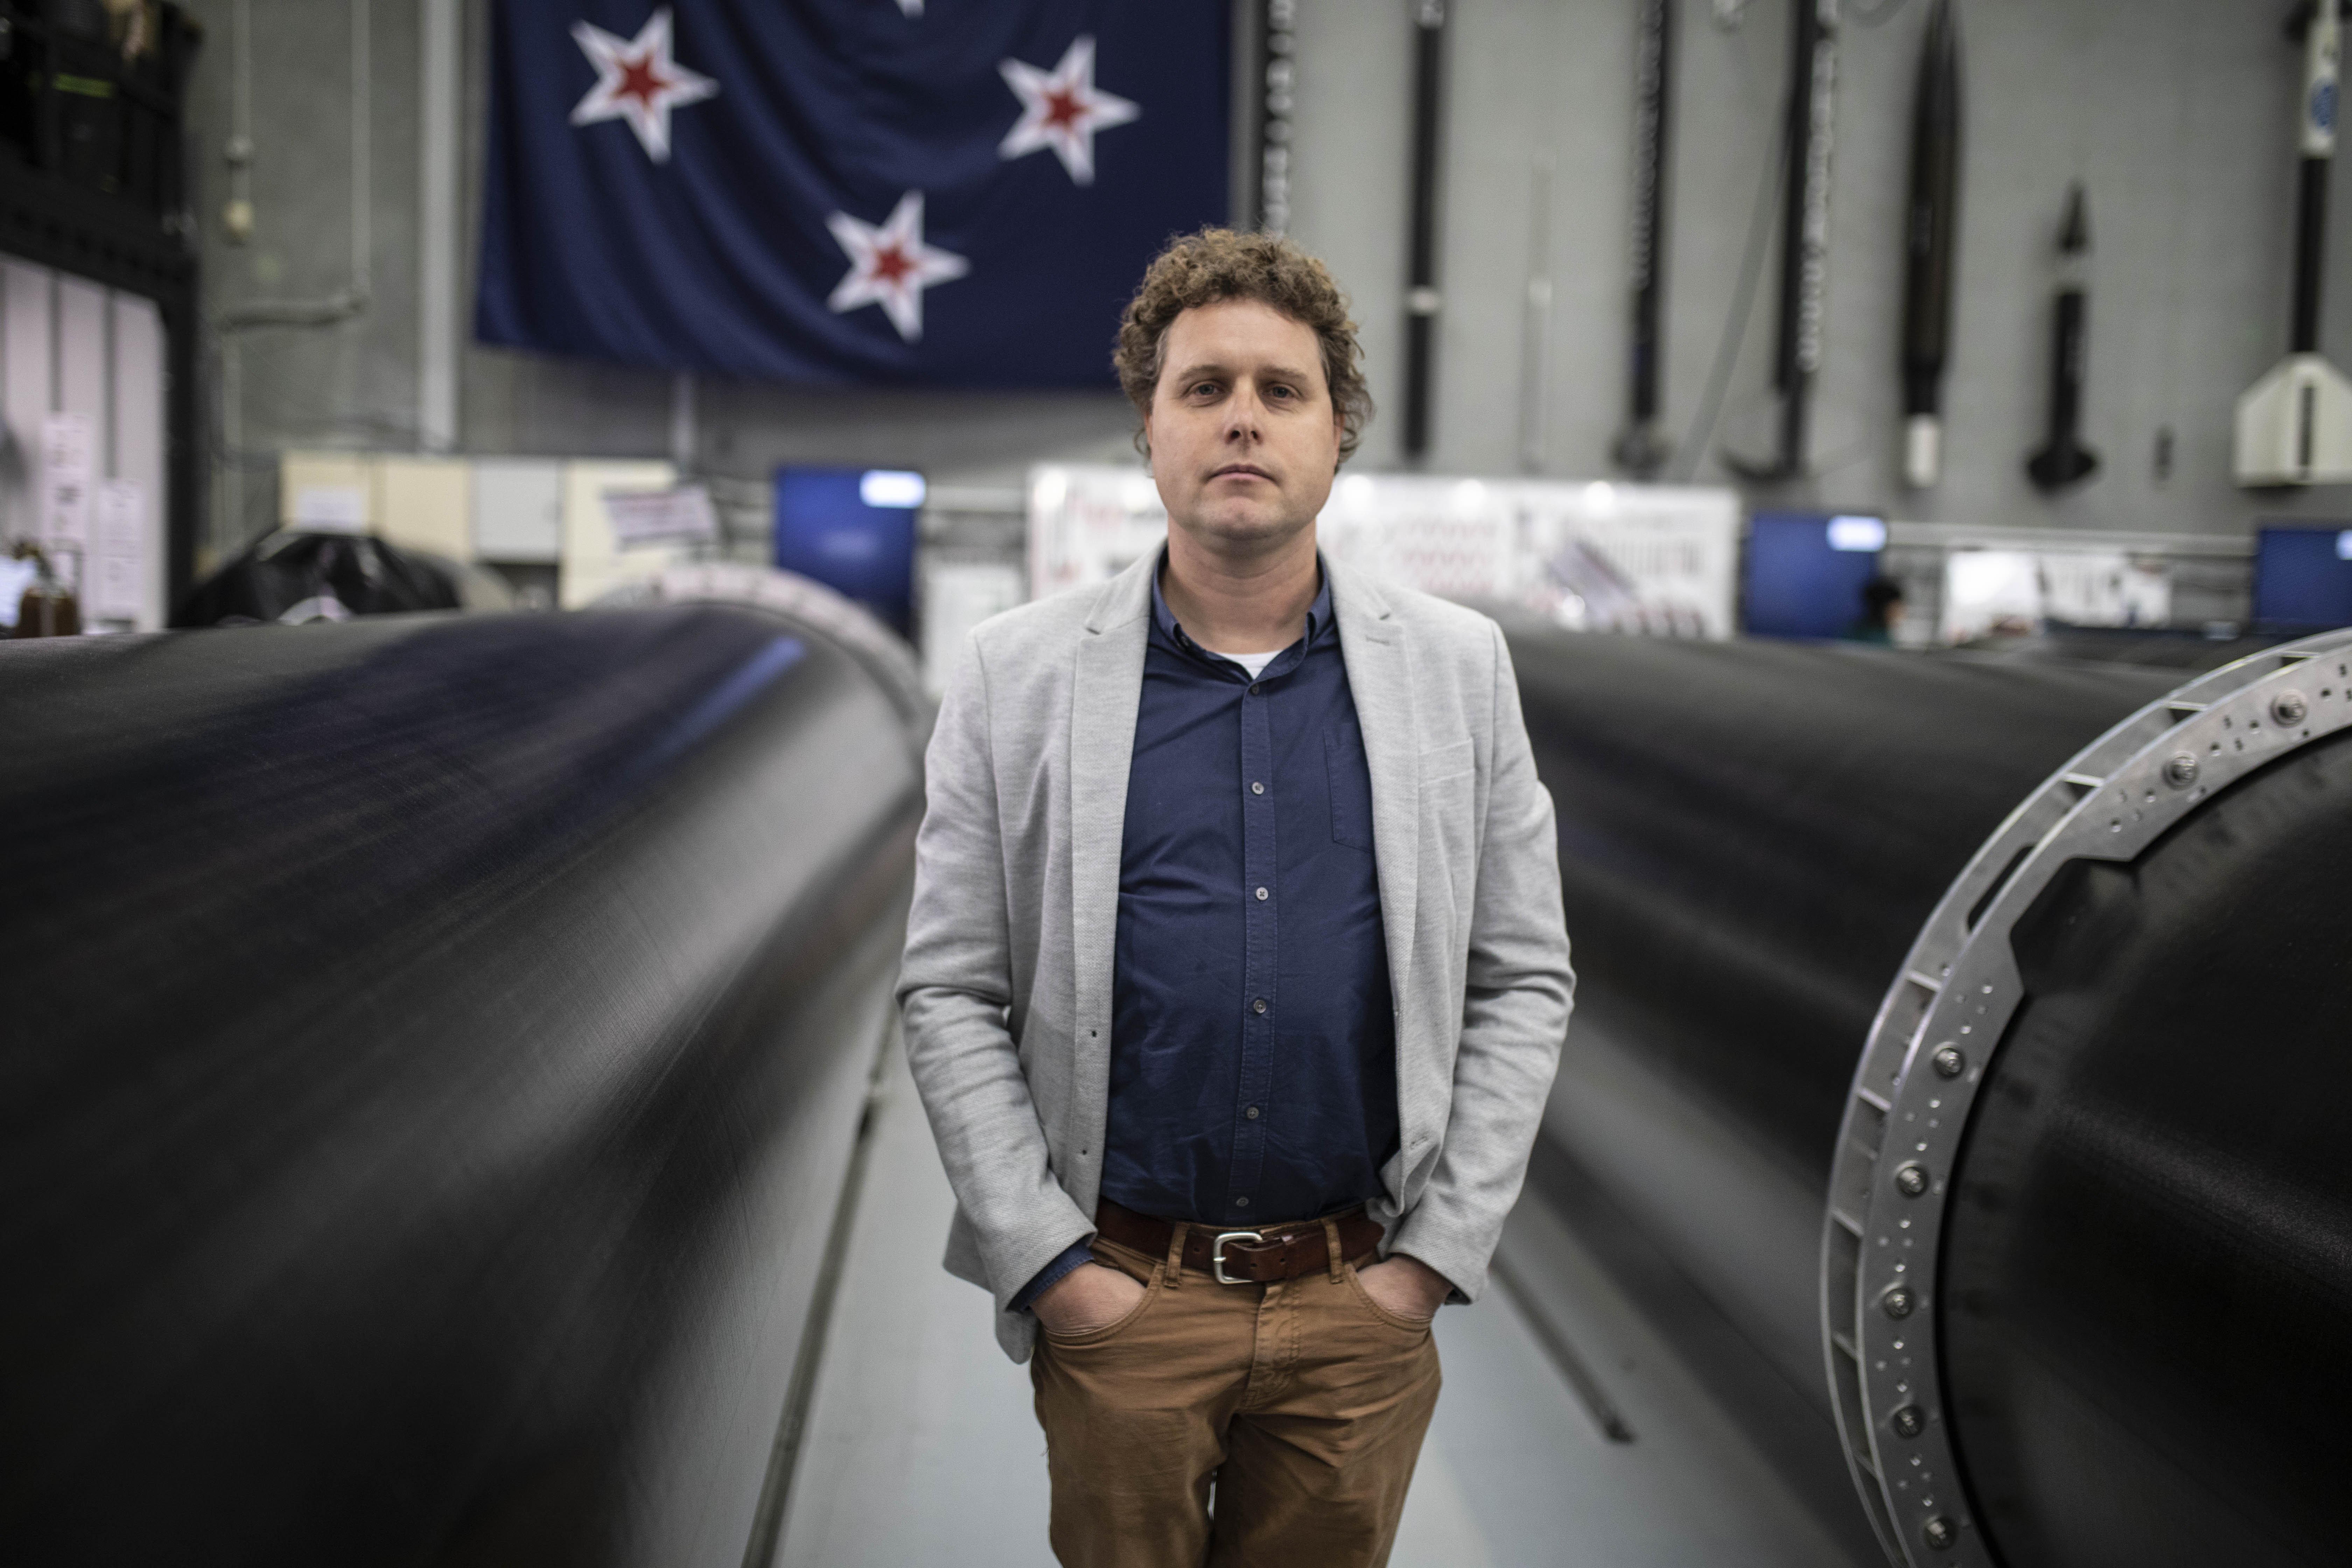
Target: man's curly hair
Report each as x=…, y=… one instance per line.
x=1220, y=264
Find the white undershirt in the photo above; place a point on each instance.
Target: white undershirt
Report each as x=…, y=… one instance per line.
x=1255, y=663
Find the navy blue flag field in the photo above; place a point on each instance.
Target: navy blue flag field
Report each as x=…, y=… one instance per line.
x=956, y=193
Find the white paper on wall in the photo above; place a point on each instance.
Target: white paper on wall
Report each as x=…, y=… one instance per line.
x=661, y=517
x=332, y=509
x=2104, y=588
x=1989, y=591
x=1089, y=523
x=118, y=565
x=69, y=451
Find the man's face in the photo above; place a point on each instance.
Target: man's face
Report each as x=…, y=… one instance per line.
x=1244, y=441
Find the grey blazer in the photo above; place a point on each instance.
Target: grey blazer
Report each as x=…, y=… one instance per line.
x=1005, y=995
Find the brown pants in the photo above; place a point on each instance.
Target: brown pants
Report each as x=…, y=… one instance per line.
x=1303, y=1400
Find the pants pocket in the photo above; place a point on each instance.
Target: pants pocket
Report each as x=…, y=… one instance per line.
x=1417, y=1326
x=1092, y=1338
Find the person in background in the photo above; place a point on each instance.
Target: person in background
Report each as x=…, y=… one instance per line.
x=1882, y=612
x=1236, y=975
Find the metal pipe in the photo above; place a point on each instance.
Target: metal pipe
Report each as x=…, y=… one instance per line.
x=1421, y=299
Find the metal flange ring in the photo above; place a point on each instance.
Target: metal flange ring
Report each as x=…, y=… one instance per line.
x=1939, y=1028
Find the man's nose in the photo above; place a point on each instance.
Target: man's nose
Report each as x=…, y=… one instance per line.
x=1245, y=415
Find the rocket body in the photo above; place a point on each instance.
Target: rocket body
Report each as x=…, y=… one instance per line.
x=2294, y=426
x=2321, y=102
x=1642, y=449
x=1931, y=232
x=1811, y=143
x=2064, y=460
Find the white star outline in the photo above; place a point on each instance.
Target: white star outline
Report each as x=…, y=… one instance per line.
x=1062, y=109
x=890, y=266
x=637, y=81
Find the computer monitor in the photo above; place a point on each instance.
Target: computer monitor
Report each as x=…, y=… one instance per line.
x=852, y=530
x=1805, y=572
x=2303, y=576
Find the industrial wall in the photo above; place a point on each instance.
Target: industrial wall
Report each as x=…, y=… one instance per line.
x=2178, y=114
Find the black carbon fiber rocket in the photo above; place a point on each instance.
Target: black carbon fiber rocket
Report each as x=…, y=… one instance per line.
x=2065, y=460
x=1931, y=225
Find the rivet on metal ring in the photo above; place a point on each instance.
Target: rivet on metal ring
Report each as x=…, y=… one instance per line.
x=2180, y=770
x=1908, y=1421
x=1911, y=1181
x=1950, y=1060
x=1896, y=1302
x=1939, y=1532
x=2289, y=709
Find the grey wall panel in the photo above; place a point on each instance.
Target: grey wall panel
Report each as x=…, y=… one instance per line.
x=518, y=510
x=26, y=319
x=137, y=414
x=81, y=360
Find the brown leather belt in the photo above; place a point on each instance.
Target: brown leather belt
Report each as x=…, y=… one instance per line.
x=1236, y=1257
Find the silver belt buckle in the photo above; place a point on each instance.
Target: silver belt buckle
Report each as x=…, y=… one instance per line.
x=1217, y=1253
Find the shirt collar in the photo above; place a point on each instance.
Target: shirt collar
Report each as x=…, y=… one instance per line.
x=1318, y=614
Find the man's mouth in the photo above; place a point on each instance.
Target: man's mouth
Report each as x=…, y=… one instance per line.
x=1240, y=470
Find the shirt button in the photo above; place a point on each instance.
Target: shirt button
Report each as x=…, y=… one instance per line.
x=1250, y=1113
x=1253, y=687
x=1257, y=789
x=1258, y=1005
x=1260, y=895
x=1241, y=1202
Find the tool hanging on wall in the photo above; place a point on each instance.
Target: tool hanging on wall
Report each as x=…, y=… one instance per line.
x=1643, y=447
x=2294, y=426
x=1277, y=43
x=1931, y=226
x=1420, y=300
x=1534, y=321
x=2065, y=460
x=1811, y=138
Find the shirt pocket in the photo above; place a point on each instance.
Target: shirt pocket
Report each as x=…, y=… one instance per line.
x=1351, y=786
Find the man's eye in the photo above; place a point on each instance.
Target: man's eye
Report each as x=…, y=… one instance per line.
x=1277, y=389
x=1205, y=389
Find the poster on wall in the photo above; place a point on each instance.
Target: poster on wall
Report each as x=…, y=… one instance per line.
x=844, y=190
x=1662, y=560
x=117, y=571
x=1089, y=523
x=68, y=461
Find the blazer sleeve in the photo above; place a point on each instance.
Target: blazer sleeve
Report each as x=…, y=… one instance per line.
x=1518, y=993
x=955, y=996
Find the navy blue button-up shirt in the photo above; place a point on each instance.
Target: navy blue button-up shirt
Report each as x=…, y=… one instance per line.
x=1253, y=1073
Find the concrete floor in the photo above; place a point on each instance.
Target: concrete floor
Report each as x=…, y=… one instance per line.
x=920, y=1448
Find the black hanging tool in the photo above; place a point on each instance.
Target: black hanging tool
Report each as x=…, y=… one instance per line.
x=1420, y=298
x=2065, y=460
x=1812, y=138
x=1931, y=237
x=1643, y=447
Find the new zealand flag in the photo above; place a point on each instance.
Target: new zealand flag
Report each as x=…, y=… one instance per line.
x=945, y=191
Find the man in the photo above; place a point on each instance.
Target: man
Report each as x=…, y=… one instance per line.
x=1237, y=976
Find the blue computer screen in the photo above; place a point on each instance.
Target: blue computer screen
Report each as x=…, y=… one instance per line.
x=2303, y=577
x=853, y=531
x=1805, y=573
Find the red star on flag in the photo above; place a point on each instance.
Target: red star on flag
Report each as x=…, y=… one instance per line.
x=890, y=266
x=1062, y=110
x=636, y=80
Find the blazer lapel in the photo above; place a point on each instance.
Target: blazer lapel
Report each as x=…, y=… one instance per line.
x=1105, y=690
x=1379, y=661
